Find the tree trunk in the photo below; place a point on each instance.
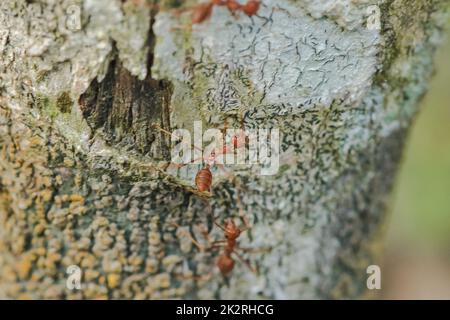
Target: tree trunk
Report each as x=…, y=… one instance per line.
x=82, y=164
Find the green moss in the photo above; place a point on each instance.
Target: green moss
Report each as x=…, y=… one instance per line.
x=54, y=107
x=283, y=169
x=64, y=103
x=403, y=28
x=168, y=4
x=46, y=105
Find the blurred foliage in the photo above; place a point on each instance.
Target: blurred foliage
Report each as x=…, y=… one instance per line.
x=421, y=208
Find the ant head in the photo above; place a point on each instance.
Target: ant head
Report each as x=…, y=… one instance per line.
x=231, y=230
x=219, y=2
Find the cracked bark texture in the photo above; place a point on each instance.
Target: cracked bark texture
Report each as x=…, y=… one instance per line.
x=81, y=178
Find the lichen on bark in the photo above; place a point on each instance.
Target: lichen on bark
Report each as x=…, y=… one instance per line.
x=82, y=179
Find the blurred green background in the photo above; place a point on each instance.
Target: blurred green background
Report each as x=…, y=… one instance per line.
x=417, y=247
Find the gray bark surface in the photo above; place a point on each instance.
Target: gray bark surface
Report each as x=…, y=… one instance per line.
x=82, y=179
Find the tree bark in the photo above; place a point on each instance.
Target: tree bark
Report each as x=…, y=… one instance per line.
x=82, y=178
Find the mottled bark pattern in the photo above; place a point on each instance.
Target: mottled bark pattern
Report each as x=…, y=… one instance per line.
x=81, y=177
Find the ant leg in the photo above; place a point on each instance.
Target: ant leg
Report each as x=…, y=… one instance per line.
x=158, y=127
x=206, y=236
x=214, y=219
x=222, y=149
x=244, y=261
x=195, y=160
x=225, y=126
x=188, y=234
x=212, y=244
x=209, y=223
x=219, y=243
x=239, y=136
x=180, y=165
x=246, y=223
x=241, y=119
x=254, y=250
x=175, y=165
x=218, y=225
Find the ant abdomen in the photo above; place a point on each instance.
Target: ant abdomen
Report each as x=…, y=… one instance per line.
x=225, y=264
x=203, y=179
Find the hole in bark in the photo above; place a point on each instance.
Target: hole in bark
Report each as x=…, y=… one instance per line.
x=124, y=107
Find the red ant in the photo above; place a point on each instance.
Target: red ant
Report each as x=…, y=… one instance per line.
x=251, y=7
x=225, y=261
x=203, y=11
x=203, y=178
